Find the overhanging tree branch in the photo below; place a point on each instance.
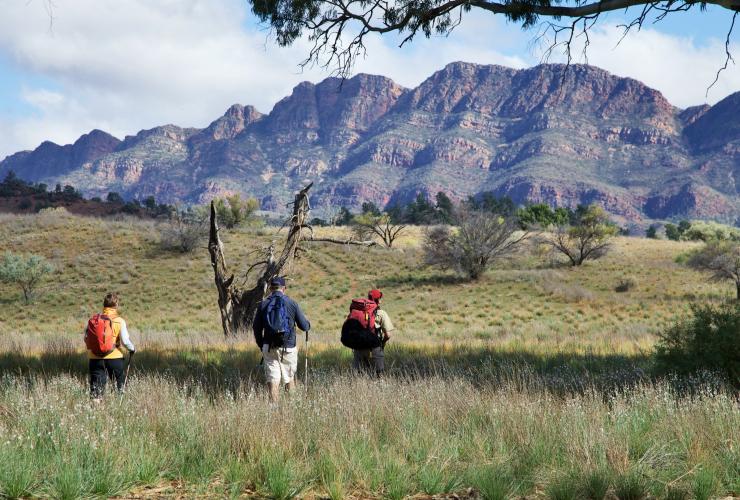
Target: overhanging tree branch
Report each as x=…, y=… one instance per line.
x=338, y=28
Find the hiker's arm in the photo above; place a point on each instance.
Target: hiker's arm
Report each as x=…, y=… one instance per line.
x=125, y=340
x=300, y=319
x=257, y=327
x=386, y=324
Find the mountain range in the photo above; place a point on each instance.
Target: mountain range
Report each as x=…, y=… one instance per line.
x=549, y=134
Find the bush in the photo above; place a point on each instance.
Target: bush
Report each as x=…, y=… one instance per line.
x=25, y=271
x=183, y=231
x=233, y=211
x=625, y=285
x=708, y=340
x=587, y=238
x=706, y=231
x=480, y=239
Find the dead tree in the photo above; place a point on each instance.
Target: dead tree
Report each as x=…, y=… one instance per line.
x=238, y=305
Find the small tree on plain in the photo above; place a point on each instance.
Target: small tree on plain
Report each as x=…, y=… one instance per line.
x=587, y=238
x=184, y=230
x=719, y=258
x=479, y=239
x=25, y=271
x=368, y=225
x=234, y=211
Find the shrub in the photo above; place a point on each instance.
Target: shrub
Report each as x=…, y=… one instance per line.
x=234, y=212
x=625, y=285
x=480, y=239
x=25, y=271
x=706, y=231
x=587, y=238
x=709, y=340
x=183, y=231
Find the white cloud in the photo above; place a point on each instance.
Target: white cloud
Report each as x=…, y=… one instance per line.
x=130, y=64
x=678, y=66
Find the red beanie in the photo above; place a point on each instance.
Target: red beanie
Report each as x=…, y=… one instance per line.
x=375, y=295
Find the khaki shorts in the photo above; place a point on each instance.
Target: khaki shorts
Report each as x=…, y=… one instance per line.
x=281, y=364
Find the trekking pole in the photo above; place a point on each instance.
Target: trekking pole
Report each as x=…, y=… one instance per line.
x=125, y=376
x=305, y=371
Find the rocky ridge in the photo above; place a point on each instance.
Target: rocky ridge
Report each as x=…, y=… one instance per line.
x=532, y=134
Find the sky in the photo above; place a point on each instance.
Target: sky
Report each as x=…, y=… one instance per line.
x=71, y=66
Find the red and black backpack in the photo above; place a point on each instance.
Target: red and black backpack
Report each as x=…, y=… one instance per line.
x=99, y=337
x=359, y=330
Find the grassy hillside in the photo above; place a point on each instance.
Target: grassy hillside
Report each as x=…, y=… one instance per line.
x=531, y=383
x=525, y=303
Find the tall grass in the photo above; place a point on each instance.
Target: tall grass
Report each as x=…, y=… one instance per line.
x=356, y=436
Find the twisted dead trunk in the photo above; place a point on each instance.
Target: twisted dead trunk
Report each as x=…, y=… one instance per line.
x=237, y=305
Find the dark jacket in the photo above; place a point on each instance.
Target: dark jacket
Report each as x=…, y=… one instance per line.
x=295, y=317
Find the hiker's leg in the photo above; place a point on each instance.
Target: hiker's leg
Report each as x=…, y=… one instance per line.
x=273, y=374
x=361, y=361
x=97, y=378
x=114, y=367
x=273, y=390
x=289, y=368
x=379, y=360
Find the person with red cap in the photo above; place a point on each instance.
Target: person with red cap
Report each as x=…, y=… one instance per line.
x=364, y=359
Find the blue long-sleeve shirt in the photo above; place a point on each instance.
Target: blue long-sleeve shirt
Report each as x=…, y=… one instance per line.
x=295, y=318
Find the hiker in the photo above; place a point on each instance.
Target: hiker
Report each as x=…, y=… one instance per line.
x=367, y=336
x=275, y=333
x=105, y=334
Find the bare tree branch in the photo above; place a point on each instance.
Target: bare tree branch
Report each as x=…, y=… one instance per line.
x=338, y=28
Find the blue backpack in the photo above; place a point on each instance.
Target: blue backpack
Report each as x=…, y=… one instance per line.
x=276, y=320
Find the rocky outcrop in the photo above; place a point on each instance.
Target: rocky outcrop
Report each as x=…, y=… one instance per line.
x=542, y=134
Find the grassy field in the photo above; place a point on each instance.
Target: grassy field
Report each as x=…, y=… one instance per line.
x=532, y=383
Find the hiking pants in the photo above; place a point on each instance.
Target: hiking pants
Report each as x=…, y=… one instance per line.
x=103, y=369
x=366, y=359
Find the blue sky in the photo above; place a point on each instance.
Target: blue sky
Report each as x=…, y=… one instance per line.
x=131, y=64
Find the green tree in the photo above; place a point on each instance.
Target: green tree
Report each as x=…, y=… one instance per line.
x=344, y=217
x=150, y=203
x=420, y=211
x=541, y=215
x=651, y=232
x=370, y=208
x=444, y=208
x=25, y=271
x=114, y=197
x=587, y=238
x=671, y=232
x=233, y=211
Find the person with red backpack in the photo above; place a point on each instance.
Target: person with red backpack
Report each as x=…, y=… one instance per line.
x=366, y=331
x=104, y=335
x=275, y=333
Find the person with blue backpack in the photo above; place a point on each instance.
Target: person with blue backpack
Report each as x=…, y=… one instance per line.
x=275, y=333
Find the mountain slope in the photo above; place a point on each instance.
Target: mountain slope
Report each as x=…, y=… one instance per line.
x=533, y=134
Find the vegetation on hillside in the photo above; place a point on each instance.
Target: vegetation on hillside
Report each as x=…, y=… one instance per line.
x=533, y=380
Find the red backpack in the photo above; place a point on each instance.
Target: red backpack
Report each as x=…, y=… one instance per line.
x=358, y=330
x=363, y=310
x=99, y=337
